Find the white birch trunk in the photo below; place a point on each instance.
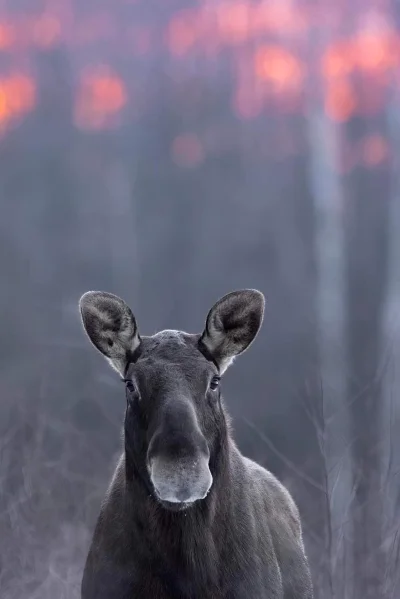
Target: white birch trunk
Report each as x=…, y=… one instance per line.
x=329, y=249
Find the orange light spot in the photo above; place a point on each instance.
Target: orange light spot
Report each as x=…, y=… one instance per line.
x=181, y=33
x=21, y=93
x=278, y=66
x=17, y=97
x=376, y=52
x=337, y=60
x=101, y=97
x=374, y=150
x=187, y=150
x=7, y=36
x=4, y=110
x=340, y=100
x=233, y=22
x=46, y=31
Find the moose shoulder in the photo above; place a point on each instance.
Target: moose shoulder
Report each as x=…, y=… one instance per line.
x=186, y=516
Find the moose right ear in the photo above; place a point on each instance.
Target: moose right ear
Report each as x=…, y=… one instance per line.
x=232, y=325
x=110, y=326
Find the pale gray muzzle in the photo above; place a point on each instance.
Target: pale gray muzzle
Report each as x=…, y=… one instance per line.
x=181, y=481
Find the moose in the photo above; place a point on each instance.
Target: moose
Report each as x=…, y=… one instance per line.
x=186, y=515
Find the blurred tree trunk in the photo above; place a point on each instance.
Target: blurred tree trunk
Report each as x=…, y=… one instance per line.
x=391, y=372
x=367, y=206
x=333, y=422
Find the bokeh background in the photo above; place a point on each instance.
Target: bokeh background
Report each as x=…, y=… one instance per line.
x=170, y=151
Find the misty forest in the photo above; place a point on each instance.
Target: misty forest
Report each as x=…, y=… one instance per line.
x=171, y=152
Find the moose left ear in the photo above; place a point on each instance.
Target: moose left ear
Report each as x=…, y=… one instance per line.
x=110, y=326
x=232, y=325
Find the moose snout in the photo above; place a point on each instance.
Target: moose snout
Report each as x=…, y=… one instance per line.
x=181, y=481
x=178, y=456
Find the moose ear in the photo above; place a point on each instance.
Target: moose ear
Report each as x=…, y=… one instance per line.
x=110, y=326
x=232, y=325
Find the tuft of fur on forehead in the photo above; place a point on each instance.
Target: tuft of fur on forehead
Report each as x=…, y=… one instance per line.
x=171, y=346
x=171, y=335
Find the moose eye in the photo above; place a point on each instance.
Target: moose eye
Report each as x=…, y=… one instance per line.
x=214, y=382
x=130, y=386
